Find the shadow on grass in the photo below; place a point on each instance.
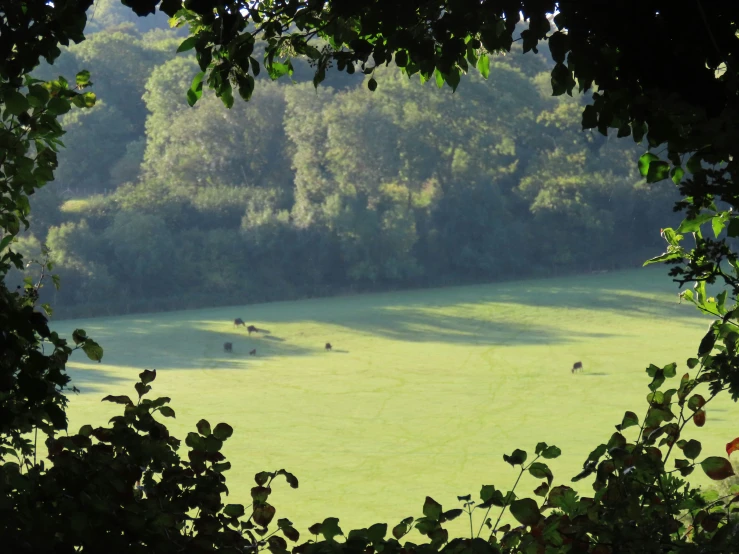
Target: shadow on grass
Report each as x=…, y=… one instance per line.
x=92, y=380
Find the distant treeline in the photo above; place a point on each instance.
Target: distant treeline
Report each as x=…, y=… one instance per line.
x=304, y=192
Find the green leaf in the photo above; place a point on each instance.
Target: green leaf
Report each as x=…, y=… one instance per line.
x=93, y=350
x=644, y=162
x=696, y=402
x=717, y=468
x=234, y=510
x=166, y=411
x=517, y=458
x=58, y=106
x=526, y=511
x=83, y=79
x=223, y=431
x=439, y=78
x=16, y=103
x=658, y=170
x=431, y=509
x=277, y=70
x=372, y=84
x=483, y=66
x=630, y=419
x=86, y=100
x=196, y=89
x=692, y=449
x=79, y=336
x=203, y=427
x=693, y=225
x=677, y=175
x=187, y=44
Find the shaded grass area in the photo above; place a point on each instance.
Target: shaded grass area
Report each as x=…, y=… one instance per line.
x=423, y=392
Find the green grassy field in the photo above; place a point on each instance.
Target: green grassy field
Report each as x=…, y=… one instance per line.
x=423, y=393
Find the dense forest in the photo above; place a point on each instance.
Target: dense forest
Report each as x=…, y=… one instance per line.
x=306, y=192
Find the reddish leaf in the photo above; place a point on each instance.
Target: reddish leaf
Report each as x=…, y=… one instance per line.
x=733, y=446
x=717, y=468
x=699, y=418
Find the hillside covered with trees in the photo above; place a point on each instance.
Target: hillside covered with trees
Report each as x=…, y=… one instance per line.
x=159, y=205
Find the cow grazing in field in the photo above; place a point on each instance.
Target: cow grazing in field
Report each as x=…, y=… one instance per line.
x=577, y=367
x=238, y=321
x=253, y=329
x=328, y=346
x=228, y=347
x=253, y=352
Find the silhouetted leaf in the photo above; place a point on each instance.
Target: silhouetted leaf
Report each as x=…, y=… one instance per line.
x=223, y=431
x=262, y=477
x=118, y=400
x=551, y=452
x=203, y=427
x=692, y=449
x=147, y=376
x=166, y=411
x=541, y=471
x=518, y=457
x=449, y=515
x=330, y=528
x=78, y=335
x=263, y=514
x=707, y=343
x=431, y=509
x=234, y=510
x=542, y=489
x=526, y=511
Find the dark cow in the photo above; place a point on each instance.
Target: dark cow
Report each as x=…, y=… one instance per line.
x=228, y=347
x=253, y=352
x=238, y=321
x=252, y=329
x=577, y=367
x=328, y=346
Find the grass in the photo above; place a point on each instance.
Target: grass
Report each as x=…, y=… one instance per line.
x=423, y=393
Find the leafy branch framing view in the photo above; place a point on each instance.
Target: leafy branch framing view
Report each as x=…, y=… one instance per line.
x=126, y=488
